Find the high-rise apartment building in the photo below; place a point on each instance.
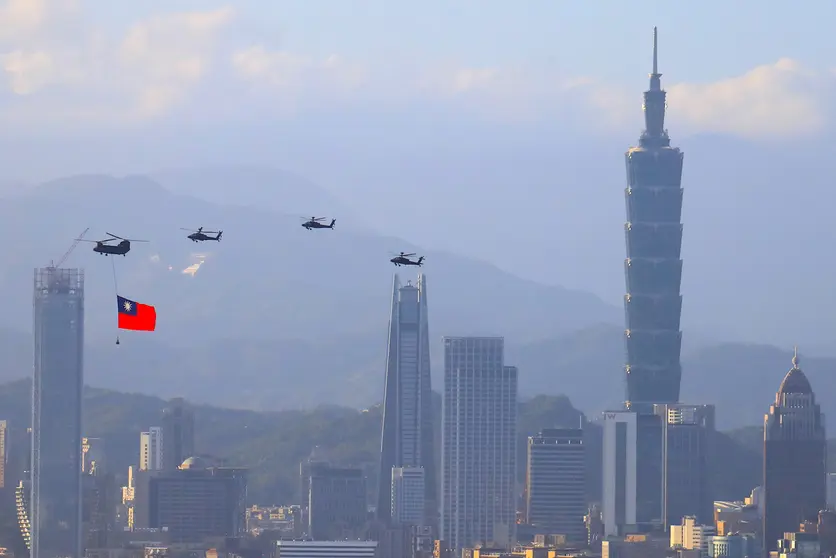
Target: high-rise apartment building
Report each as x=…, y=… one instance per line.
x=178, y=433
x=408, y=495
x=407, y=433
x=55, y=500
x=556, y=483
x=794, y=458
x=478, y=448
x=687, y=438
x=653, y=266
x=151, y=449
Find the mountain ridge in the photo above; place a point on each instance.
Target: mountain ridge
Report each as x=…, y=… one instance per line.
x=263, y=254
x=269, y=375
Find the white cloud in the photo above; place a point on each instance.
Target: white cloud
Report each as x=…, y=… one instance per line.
x=28, y=71
x=776, y=100
x=164, y=57
x=92, y=75
x=61, y=72
x=289, y=72
x=22, y=16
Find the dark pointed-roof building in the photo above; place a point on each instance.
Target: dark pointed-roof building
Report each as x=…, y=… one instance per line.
x=794, y=464
x=653, y=266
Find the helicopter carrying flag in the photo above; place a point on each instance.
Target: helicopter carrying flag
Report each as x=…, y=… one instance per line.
x=120, y=248
x=136, y=316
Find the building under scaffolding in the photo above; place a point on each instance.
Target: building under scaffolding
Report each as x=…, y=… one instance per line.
x=55, y=501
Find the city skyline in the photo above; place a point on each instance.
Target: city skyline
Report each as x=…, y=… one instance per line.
x=658, y=460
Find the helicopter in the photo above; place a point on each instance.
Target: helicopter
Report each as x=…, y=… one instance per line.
x=314, y=223
x=201, y=235
x=403, y=259
x=102, y=246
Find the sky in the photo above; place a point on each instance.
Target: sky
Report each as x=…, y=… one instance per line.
x=487, y=127
x=95, y=64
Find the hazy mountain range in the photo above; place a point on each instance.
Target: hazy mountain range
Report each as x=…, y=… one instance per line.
x=276, y=316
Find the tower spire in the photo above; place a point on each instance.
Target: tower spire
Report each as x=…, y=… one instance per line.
x=654, y=134
x=655, y=52
x=655, y=76
x=795, y=358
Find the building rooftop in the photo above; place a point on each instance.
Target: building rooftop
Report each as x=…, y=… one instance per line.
x=194, y=462
x=795, y=381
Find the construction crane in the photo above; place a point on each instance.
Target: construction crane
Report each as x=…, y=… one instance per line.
x=66, y=255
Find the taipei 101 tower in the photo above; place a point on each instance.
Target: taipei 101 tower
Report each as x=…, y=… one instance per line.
x=653, y=267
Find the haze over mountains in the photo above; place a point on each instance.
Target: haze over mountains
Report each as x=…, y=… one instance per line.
x=279, y=317
x=756, y=216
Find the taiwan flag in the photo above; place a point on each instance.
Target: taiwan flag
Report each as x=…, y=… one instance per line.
x=135, y=316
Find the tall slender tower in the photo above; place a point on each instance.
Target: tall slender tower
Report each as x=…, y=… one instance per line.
x=653, y=267
x=407, y=433
x=794, y=458
x=55, y=500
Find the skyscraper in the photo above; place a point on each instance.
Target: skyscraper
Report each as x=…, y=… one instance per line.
x=479, y=443
x=794, y=458
x=151, y=449
x=653, y=267
x=407, y=432
x=178, y=433
x=688, y=436
x=55, y=501
x=556, y=483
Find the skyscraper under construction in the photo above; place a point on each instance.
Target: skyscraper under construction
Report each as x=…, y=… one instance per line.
x=653, y=266
x=55, y=499
x=407, y=433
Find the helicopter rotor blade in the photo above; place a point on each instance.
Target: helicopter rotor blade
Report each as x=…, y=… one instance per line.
x=190, y=230
x=134, y=240
x=114, y=236
x=85, y=240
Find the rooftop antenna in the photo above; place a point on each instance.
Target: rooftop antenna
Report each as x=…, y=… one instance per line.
x=655, y=52
x=795, y=358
